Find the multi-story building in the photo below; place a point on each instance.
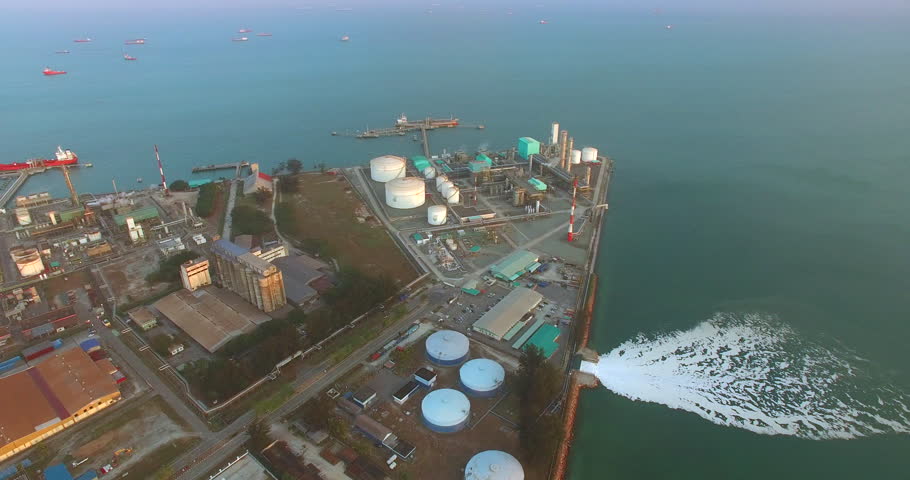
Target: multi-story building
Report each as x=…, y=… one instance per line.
x=195, y=274
x=251, y=277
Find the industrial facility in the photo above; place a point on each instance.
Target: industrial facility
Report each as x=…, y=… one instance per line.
x=404, y=193
x=447, y=348
x=445, y=410
x=497, y=322
x=51, y=396
x=246, y=274
x=212, y=317
x=493, y=465
x=387, y=167
x=195, y=274
x=482, y=377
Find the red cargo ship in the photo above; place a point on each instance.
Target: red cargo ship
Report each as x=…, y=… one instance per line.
x=137, y=41
x=127, y=56
x=63, y=157
x=82, y=40
x=48, y=71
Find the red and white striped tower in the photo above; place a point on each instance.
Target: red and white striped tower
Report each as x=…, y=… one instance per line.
x=161, y=170
x=572, y=212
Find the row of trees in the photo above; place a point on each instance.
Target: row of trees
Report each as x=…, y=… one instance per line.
x=247, y=219
x=169, y=268
x=537, y=384
x=205, y=203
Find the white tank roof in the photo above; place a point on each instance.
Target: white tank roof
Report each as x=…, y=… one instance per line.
x=387, y=167
x=447, y=345
x=493, y=465
x=482, y=375
x=445, y=407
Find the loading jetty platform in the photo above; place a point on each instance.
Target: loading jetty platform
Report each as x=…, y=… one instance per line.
x=236, y=166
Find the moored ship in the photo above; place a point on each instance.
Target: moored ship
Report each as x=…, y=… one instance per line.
x=62, y=157
x=47, y=71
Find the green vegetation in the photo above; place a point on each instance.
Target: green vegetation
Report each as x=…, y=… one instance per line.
x=317, y=411
x=250, y=220
x=269, y=404
x=169, y=268
x=262, y=196
x=205, y=204
x=260, y=435
x=358, y=292
x=160, y=344
x=179, y=186
x=294, y=166
x=155, y=464
x=537, y=384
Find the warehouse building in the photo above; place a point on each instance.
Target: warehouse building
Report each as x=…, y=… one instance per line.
x=244, y=273
x=515, y=265
x=244, y=467
x=299, y=279
x=48, y=323
x=211, y=316
x=49, y=397
x=505, y=314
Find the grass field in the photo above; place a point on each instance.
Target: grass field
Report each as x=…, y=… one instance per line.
x=326, y=216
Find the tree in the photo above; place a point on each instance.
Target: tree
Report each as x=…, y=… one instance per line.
x=205, y=203
x=288, y=184
x=250, y=220
x=321, y=167
x=294, y=166
x=262, y=196
x=317, y=411
x=260, y=435
x=180, y=186
x=160, y=343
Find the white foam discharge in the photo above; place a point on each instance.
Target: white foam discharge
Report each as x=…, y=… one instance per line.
x=752, y=371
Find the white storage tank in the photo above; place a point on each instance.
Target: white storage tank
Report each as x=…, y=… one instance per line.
x=452, y=245
x=444, y=188
x=94, y=236
x=453, y=195
x=576, y=157
x=482, y=377
x=589, y=154
x=429, y=173
x=408, y=192
x=493, y=465
x=28, y=261
x=440, y=180
x=447, y=347
x=23, y=217
x=436, y=214
x=445, y=410
x=387, y=167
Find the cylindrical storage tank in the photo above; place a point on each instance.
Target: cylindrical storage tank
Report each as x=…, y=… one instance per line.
x=589, y=154
x=94, y=236
x=28, y=261
x=409, y=192
x=447, y=347
x=452, y=245
x=453, y=195
x=444, y=188
x=481, y=377
x=576, y=157
x=493, y=465
x=23, y=217
x=387, y=167
x=436, y=214
x=429, y=173
x=445, y=410
x=440, y=180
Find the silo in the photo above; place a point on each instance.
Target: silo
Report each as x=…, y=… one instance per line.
x=576, y=157
x=493, y=465
x=28, y=261
x=440, y=180
x=446, y=185
x=429, y=173
x=387, y=167
x=445, y=410
x=554, y=134
x=453, y=195
x=409, y=192
x=447, y=347
x=436, y=214
x=481, y=377
x=589, y=154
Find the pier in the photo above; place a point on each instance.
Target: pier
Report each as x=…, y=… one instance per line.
x=237, y=166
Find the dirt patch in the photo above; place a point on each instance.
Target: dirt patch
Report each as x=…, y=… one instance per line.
x=127, y=276
x=329, y=217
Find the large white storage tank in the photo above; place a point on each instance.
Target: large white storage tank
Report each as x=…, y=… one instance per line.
x=387, y=167
x=436, y=214
x=589, y=154
x=493, y=465
x=28, y=261
x=23, y=217
x=429, y=173
x=409, y=192
x=453, y=195
x=445, y=410
x=446, y=185
x=447, y=347
x=482, y=377
x=440, y=180
x=576, y=157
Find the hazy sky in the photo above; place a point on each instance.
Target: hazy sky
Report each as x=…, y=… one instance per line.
x=820, y=7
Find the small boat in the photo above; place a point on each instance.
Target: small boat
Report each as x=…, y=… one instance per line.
x=139, y=180
x=62, y=51
x=263, y=34
x=669, y=27
x=334, y=134
x=127, y=56
x=49, y=72
x=135, y=41
x=239, y=39
x=345, y=38
x=543, y=22
x=244, y=30
x=82, y=40
x=481, y=127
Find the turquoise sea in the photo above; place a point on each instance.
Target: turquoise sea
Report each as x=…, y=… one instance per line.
x=761, y=173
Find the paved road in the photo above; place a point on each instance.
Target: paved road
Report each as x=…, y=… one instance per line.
x=232, y=197
x=213, y=450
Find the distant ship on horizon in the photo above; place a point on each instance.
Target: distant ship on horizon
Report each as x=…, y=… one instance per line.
x=345, y=38
x=240, y=39
x=543, y=22
x=82, y=40
x=49, y=72
x=263, y=34
x=135, y=41
x=127, y=56
x=62, y=51
x=244, y=30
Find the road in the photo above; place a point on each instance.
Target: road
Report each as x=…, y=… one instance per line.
x=232, y=198
x=212, y=452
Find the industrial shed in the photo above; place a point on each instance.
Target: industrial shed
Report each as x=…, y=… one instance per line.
x=210, y=315
x=505, y=314
x=515, y=265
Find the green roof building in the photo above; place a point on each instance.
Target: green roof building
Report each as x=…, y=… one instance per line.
x=545, y=338
x=485, y=159
x=515, y=265
x=527, y=146
x=537, y=184
x=140, y=215
x=420, y=163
